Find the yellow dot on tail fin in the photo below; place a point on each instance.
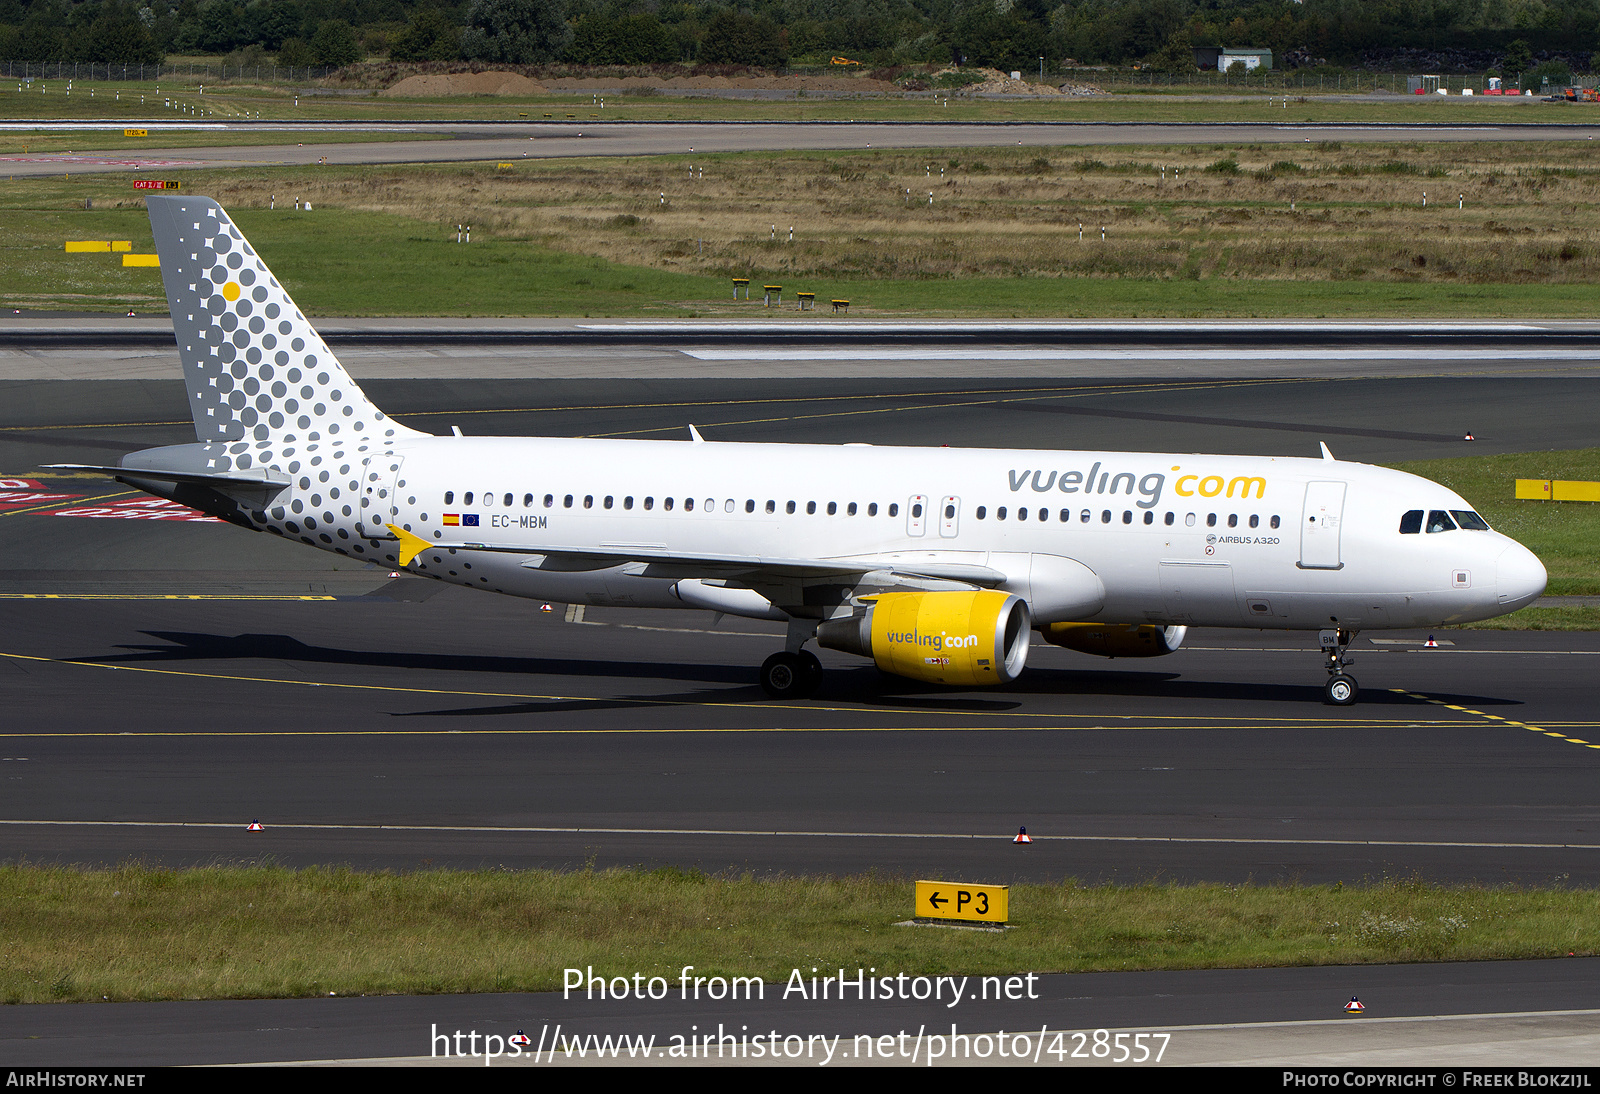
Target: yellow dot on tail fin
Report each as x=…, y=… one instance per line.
x=230, y=291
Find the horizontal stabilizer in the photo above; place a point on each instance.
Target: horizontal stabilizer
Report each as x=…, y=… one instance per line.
x=247, y=476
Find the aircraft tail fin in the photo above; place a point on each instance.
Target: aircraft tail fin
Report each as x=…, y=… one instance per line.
x=260, y=378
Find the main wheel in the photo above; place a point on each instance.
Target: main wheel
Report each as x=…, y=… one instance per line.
x=790, y=675
x=1341, y=690
x=810, y=670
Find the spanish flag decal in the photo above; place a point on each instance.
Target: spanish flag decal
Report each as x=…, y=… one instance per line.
x=452, y=520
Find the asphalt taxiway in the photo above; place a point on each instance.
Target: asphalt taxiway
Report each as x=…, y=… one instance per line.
x=169, y=681
x=469, y=141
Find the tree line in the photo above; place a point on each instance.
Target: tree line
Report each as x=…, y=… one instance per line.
x=773, y=33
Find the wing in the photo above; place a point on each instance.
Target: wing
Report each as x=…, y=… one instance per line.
x=754, y=571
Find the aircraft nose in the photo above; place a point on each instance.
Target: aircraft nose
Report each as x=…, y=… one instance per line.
x=1519, y=577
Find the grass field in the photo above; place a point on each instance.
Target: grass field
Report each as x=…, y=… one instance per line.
x=139, y=933
x=1316, y=230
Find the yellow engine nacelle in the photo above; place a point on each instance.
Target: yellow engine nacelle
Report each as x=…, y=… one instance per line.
x=1113, y=639
x=962, y=638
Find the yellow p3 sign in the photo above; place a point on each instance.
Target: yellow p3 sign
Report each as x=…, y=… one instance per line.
x=944, y=900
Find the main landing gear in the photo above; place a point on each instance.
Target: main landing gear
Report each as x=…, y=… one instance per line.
x=796, y=672
x=791, y=675
x=1341, y=689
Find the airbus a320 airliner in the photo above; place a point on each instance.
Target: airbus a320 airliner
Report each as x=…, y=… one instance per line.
x=937, y=563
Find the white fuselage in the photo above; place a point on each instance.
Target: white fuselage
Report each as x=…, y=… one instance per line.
x=1228, y=541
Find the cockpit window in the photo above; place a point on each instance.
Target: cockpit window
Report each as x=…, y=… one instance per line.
x=1411, y=523
x=1470, y=520
x=1439, y=521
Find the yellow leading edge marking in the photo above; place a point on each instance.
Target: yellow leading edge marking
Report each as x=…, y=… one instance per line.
x=410, y=546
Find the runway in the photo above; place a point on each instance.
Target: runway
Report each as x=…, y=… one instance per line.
x=169, y=681
x=477, y=141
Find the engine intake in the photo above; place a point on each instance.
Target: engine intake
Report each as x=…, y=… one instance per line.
x=1114, y=640
x=961, y=638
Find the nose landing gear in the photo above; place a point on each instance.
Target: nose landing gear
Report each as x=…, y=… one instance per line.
x=1341, y=689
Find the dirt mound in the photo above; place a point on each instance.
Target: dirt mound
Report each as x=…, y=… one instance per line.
x=996, y=82
x=465, y=83
x=861, y=85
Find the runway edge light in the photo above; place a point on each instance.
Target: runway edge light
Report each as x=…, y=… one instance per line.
x=1354, y=1006
x=1022, y=836
x=255, y=826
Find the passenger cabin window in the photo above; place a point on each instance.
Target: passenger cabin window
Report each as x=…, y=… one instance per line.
x=1411, y=523
x=1273, y=522
x=811, y=508
x=449, y=496
x=1439, y=521
x=688, y=505
x=1211, y=520
x=527, y=501
x=649, y=503
x=1149, y=517
x=1469, y=520
x=609, y=500
x=627, y=502
x=772, y=506
x=666, y=503
x=872, y=509
x=1169, y=518
x=894, y=509
x=1000, y=513
x=833, y=507
x=1084, y=516
x=466, y=499
x=1233, y=520
x=749, y=505
x=1255, y=520
x=588, y=501
x=916, y=510
x=507, y=500
x=982, y=511
x=789, y=508
x=549, y=500
x=566, y=502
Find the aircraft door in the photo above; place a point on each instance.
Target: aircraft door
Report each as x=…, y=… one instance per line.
x=949, y=516
x=379, y=504
x=1319, y=526
x=917, y=515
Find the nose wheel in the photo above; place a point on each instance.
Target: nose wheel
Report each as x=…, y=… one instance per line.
x=1341, y=689
x=791, y=675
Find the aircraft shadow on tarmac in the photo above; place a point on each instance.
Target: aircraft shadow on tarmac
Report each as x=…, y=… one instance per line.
x=864, y=685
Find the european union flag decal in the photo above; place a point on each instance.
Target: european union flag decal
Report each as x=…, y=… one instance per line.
x=469, y=520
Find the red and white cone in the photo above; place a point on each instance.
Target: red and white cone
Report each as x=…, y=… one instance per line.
x=521, y=1040
x=255, y=826
x=1469, y=437
x=546, y=608
x=1354, y=1006
x=1430, y=643
x=1022, y=836
x=394, y=573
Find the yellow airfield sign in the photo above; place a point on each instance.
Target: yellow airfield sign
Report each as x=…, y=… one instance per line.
x=948, y=900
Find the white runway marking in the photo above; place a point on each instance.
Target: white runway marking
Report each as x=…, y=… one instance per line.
x=1050, y=353
x=741, y=832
